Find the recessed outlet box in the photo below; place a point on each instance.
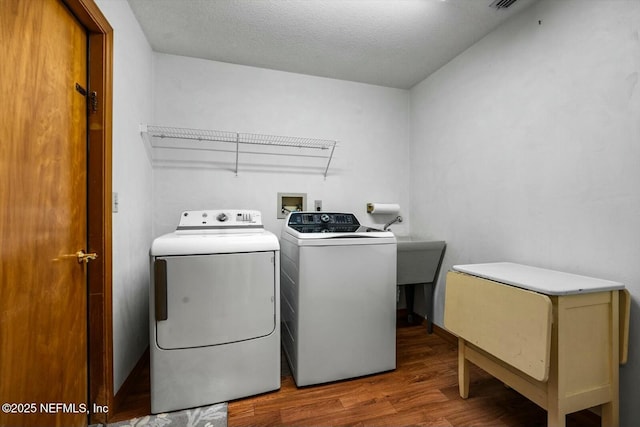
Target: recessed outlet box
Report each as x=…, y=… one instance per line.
x=290, y=202
x=317, y=205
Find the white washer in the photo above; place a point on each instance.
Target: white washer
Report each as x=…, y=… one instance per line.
x=338, y=297
x=214, y=310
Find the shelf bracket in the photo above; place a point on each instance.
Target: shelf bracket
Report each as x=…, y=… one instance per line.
x=237, y=151
x=329, y=162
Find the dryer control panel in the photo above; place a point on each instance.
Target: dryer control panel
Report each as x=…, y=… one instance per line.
x=219, y=219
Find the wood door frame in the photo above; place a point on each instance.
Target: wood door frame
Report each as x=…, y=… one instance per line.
x=99, y=222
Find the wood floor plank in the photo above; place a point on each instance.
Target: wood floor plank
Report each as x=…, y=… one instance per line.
x=414, y=398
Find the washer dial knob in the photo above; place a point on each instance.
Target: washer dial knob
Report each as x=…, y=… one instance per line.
x=222, y=217
x=325, y=218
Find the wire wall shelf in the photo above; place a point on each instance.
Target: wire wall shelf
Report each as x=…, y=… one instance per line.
x=156, y=134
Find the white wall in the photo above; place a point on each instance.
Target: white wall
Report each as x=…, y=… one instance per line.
x=526, y=148
x=370, y=123
x=132, y=180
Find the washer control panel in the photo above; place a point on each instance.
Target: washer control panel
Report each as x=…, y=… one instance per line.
x=309, y=218
x=323, y=222
x=219, y=219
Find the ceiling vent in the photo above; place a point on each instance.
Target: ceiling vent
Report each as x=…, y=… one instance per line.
x=502, y=4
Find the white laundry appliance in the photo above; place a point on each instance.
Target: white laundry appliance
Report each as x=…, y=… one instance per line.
x=338, y=297
x=214, y=310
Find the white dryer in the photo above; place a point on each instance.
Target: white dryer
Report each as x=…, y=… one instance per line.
x=338, y=297
x=214, y=310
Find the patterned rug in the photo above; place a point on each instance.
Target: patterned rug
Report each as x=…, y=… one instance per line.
x=206, y=416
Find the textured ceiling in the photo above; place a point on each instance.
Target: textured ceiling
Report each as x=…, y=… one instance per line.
x=395, y=43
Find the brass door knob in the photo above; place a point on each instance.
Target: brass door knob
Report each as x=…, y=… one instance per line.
x=85, y=258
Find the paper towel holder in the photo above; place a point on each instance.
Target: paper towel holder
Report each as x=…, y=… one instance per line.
x=383, y=208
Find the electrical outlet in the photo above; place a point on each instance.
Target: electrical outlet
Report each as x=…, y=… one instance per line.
x=114, y=202
x=317, y=205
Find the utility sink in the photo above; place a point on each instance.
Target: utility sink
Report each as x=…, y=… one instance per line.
x=418, y=260
x=418, y=264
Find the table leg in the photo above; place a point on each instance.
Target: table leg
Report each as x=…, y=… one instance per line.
x=610, y=414
x=409, y=293
x=428, y=289
x=555, y=417
x=463, y=370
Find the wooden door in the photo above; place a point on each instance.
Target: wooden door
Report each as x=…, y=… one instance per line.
x=43, y=219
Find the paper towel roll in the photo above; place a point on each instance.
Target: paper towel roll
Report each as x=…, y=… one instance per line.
x=383, y=208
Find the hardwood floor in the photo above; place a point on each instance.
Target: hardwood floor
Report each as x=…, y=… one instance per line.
x=423, y=390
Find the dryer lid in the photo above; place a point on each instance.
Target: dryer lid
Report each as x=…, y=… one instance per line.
x=214, y=243
x=216, y=231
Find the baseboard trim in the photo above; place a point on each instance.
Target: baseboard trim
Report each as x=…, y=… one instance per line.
x=129, y=384
x=401, y=316
x=445, y=335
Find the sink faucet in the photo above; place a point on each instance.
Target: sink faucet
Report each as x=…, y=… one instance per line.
x=393, y=221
